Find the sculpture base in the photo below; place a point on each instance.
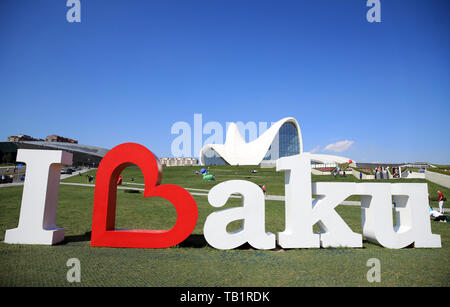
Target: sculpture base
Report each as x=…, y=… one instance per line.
x=44, y=237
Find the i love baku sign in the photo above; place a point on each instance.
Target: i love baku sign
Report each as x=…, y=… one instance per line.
x=37, y=221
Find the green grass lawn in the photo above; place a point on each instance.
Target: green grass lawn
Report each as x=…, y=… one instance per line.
x=185, y=176
x=194, y=262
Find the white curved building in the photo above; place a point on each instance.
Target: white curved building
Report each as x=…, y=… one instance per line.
x=328, y=159
x=282, y=139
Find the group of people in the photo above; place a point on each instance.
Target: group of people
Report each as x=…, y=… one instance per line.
x=383, y=173
x=395, y=172
x=10, y=178
x=7, y=178
x=337, y=171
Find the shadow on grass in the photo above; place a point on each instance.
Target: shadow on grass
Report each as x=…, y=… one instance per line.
x=194, y=241
x=199, y=241
x=76, y=238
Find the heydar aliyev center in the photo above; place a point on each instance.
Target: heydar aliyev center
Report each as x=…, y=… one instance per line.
x=282, y=139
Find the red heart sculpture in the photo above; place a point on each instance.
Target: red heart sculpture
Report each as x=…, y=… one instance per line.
x=104, y=213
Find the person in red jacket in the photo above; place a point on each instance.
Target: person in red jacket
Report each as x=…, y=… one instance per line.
x=441, y=202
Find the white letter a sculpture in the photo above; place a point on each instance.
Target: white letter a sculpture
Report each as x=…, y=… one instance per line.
x=251, y=212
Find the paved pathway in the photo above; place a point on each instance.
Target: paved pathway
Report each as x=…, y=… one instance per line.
x=5, y=185
x=84, y=170
x=139, y=189
x=189, y=189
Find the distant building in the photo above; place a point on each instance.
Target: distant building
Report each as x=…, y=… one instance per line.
x=178, y=161
x=282, y=139
x=59, y=139
x=83, y=155
x=22, y=138
x=49, y=138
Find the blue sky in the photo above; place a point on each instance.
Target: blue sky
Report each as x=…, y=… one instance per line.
x=131, y=69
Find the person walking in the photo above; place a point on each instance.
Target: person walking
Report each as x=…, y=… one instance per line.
x=441, y=202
